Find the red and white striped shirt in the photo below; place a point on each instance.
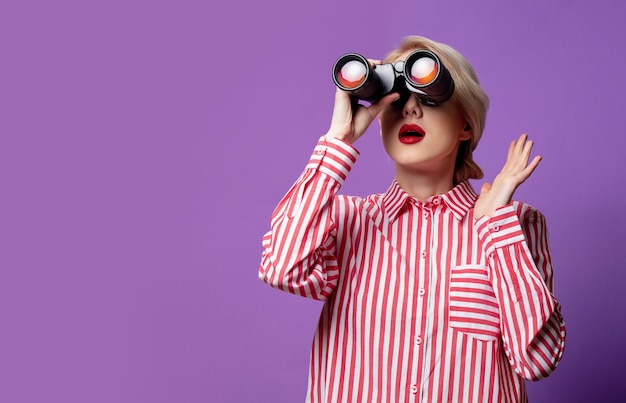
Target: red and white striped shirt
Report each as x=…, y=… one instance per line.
x=422, y=302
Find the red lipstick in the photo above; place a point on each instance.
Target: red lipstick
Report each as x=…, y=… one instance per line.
x=411, y=134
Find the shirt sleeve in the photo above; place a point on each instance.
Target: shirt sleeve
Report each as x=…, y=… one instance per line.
x=299, y=249
x=532, y=326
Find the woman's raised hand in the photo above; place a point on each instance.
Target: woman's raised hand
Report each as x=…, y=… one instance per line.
x=515, y=171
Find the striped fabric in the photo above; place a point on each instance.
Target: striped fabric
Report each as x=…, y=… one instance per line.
x=423, y=303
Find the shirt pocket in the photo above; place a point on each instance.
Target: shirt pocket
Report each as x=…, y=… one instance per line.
x=473, y=308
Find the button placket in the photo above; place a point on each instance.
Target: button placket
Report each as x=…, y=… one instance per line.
x=424, y=213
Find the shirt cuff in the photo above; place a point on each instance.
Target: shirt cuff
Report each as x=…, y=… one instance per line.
x=503, y=227
x=334, y=158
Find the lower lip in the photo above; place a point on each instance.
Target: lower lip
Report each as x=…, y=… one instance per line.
x=411, y=139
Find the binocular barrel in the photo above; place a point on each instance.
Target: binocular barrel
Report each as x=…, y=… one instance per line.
x=422, y=73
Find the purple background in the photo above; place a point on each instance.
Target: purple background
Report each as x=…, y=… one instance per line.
x=144, y=145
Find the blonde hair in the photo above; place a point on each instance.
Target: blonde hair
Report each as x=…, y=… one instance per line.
x=468, y=95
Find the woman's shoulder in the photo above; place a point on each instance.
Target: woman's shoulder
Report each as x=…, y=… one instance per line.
x=373, y=198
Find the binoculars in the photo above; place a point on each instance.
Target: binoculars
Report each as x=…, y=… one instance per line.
x=422, y=73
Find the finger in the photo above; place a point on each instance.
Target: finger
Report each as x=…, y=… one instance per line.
x=526, y=152
x=374, y=62
x=485, y=188
x=519, y=153
x=512, y=146
x=342, y=96
x=521, y=142
x=382, y=103
x=522, y=138
x=510, y=156
x=531, y=167
x=521, y=156
x=342, y=108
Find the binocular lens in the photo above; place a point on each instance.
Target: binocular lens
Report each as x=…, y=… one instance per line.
x=424, y=70
x=352, y=74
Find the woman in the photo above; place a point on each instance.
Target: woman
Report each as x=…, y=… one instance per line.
x=432, y=293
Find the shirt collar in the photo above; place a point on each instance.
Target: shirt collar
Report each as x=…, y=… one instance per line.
x=459, y=199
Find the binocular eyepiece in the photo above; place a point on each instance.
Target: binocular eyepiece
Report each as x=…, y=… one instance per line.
x=422, y=73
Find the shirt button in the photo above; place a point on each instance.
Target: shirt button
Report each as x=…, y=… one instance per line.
x=319, y=152
x=423, y=253
x=421, y=292
x=414, y=389
x=418, y=340
x=496, y=228
x=426, y=215
x=436, y=201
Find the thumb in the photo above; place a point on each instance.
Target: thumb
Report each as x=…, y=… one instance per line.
x=485, y=188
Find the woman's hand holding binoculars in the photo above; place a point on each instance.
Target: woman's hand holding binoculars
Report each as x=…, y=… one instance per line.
x=351, y=119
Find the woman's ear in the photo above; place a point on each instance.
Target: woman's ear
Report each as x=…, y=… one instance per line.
x=466, y=134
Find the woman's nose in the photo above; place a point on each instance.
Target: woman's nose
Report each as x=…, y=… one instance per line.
x=412, y=107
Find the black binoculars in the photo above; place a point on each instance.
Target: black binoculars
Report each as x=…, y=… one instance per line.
x=422, y=73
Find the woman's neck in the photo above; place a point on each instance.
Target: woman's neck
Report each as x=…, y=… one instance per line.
x=423, y=184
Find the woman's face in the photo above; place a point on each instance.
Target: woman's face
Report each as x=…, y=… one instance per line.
x=421, y=137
